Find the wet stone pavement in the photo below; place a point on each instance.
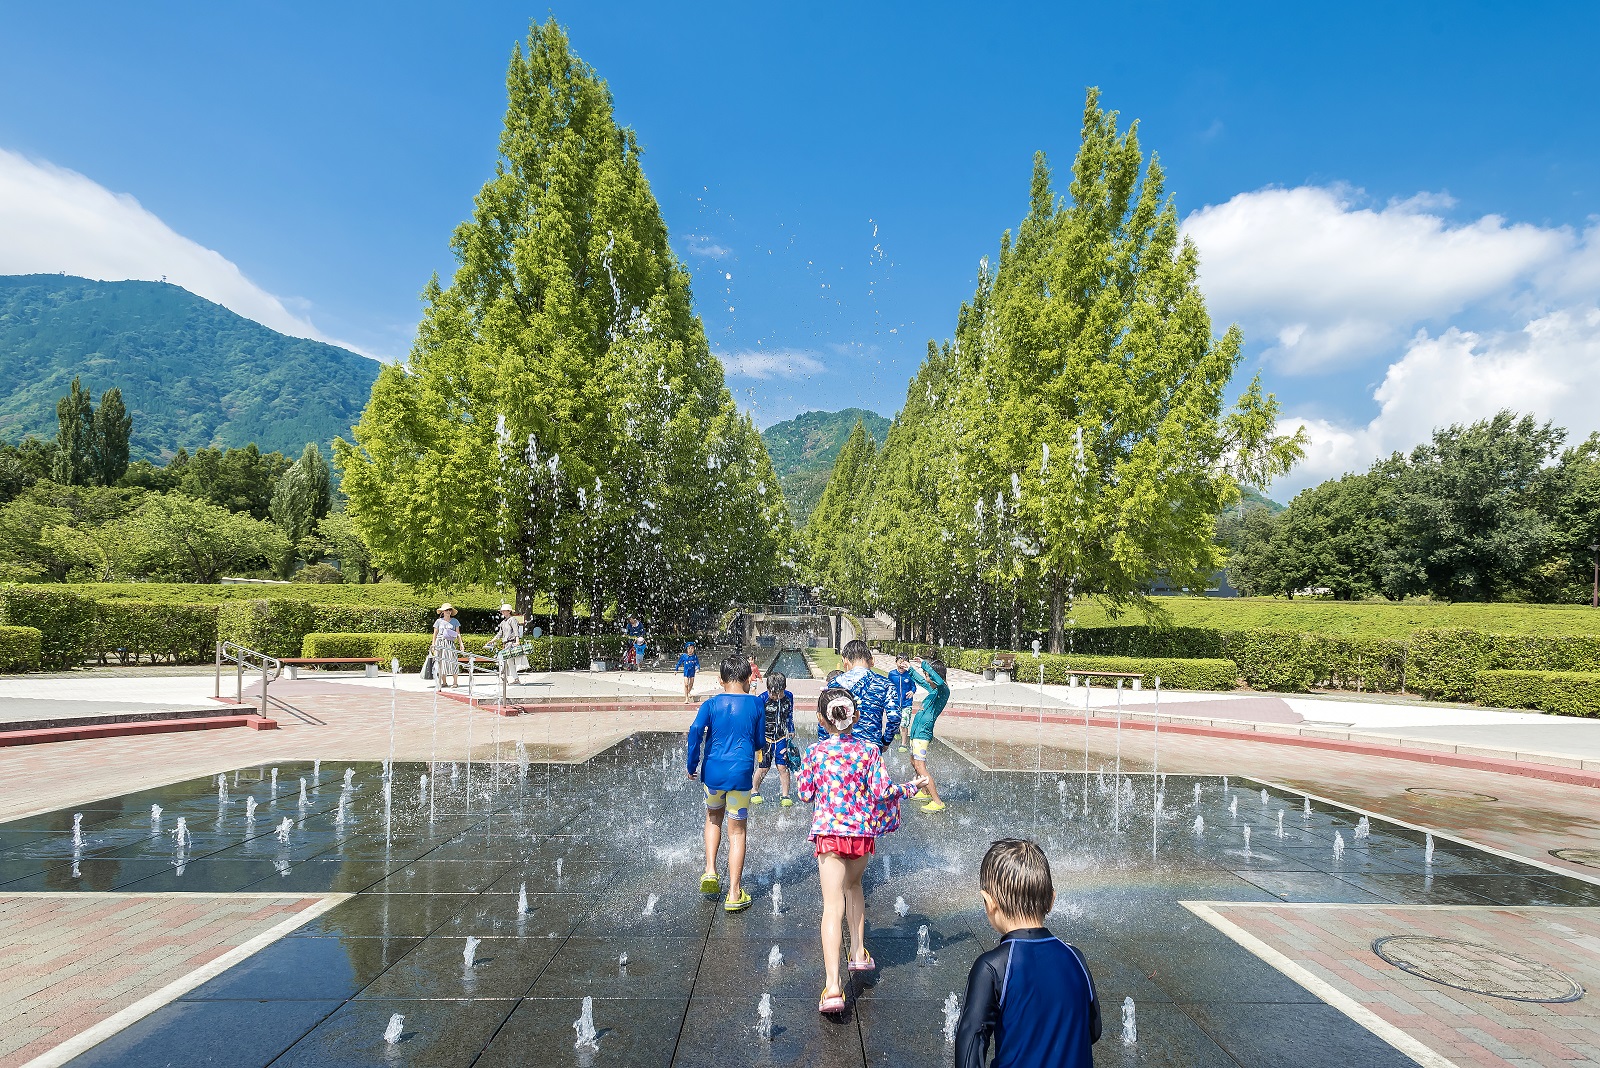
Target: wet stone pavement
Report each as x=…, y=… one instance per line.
x=608, y=853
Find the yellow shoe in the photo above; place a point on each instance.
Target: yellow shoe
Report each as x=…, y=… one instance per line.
x=737, y=904
x=756, y=799
x=922, y=795
x=933, y=806
x=787, y=802
x=710, y=884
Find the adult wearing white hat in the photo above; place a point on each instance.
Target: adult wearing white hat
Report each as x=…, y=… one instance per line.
x=446, y=647
x=507, y=635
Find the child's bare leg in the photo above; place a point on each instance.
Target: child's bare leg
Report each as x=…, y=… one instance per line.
x=932, y=787
x=856, y=907
x=832, y=872
x=736, y=843
x=713, y=837
x=785, y=777
x=761, y=773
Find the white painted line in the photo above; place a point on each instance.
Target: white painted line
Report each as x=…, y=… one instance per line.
x=87, y=1040
x=1400, y=1040
x=1371, y=814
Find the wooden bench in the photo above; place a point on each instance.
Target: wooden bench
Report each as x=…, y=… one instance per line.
x=1136, y=676
x=1007, y=663
x=295, y=663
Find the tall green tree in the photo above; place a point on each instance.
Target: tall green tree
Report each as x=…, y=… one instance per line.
x=300, y=498
x=74, y=458
x=110, y=429
x=833, y=553
x=560, y=425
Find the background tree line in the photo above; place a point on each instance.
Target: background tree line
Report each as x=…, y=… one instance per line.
x=76, y=509
x=1072, y=438
x=1498, y=510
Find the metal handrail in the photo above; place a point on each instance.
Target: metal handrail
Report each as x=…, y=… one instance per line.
x=241, y=658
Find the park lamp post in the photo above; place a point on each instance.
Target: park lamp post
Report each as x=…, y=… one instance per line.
x=1594, y=555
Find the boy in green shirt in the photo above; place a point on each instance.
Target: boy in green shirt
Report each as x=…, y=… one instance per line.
x=930, y=675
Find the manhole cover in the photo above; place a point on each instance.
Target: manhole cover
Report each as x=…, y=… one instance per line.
x=1445, y=793
x=1478, y=969
x=1590, y=857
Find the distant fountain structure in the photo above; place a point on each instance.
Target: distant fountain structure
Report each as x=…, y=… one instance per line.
x=396, y=1028
x=588, y=1037
x=1130, y=1025
x=764, y=1018
x=952, y=1016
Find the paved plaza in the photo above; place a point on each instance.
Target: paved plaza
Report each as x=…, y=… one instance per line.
x=1234, y=953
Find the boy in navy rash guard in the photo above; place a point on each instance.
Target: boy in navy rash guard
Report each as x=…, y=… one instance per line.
x=1033, y=993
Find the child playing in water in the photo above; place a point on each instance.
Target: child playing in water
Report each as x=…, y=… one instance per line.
x=727, y=731
x=929, y=674
x=880, y=708
x=689, y=664
x=855, y=802
x=905, y=690
x=1033, y=993
x=779, y=720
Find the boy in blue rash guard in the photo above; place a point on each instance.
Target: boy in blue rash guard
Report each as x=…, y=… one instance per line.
x=727, y=733
x=880, y=708
x=1033, y=993
x=905, y=690
x=689, y=665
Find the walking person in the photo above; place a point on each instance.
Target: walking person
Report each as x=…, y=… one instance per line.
x=446, y=647
x=855, y=801
x=634, y=629
x=507, y=635
x=905, y=691
x=779, y=729
x=723, y=741
x=689, y=665
x=930, y=675
x=880, y=707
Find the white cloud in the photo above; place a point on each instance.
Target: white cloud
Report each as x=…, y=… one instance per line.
x=760, y=363
x=1327, y=282
x=1550, y=367
x=55, y=220
x=705, y=246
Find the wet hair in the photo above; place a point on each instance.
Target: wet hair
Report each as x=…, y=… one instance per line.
x=901, y=658
x=1016, y=875
x=856, y=649
x=939, y=669
x=735, y=668
x=777, y=682
x=831, y=676
x=836, y=709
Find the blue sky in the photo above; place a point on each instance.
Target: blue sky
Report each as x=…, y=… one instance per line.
x=1396, y=201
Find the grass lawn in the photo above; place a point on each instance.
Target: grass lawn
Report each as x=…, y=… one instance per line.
x=1363, y=619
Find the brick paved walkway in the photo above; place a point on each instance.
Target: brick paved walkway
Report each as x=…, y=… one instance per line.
x=1333, y=944
x=75, y=960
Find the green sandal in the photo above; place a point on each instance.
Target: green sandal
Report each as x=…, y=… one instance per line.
x=738, y=904
x=710, y=884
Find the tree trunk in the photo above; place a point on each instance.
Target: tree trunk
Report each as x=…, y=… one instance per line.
x=1016, y=621
x=1057, y=615
x=564, y=600
x=524, y=603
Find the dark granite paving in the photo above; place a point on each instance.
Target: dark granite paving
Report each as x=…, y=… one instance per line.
x=608, y=854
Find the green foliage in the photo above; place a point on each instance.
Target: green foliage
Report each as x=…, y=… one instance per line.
x=830, y=534
x=1349, y=619
x=196, y=373
x=279, y=627
x=561, y=425
x=131, y=632
x=544, y=654
x=319, y=574
x=803, y=451
x=1565, y=693
x=64, y=620
x=1446, y=663
x=340, y=539
x=1175, y=673
x=300, y=498
x=240, y=480
x=23, y=465
x=19, y=648
x=193, y=541
x=74, y=460
x=112, y=431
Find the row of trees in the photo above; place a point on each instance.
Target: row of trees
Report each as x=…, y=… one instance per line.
x=561, y=426
x=1492, y=511
x=1072, y=438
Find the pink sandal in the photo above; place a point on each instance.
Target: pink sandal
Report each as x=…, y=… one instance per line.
x=867, y=964
x=831, y=1003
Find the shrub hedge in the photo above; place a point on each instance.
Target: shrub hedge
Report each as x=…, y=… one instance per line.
x=19, y=648
x=544, y=654
x=1188, y=673
x=1567, y=693
x=131, y=632
x=65, y=621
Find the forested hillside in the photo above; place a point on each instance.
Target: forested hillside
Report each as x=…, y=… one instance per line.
x=192, y=373
x=803, y=450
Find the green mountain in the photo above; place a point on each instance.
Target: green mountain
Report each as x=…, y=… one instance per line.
x=192, y=373
x=803, y=450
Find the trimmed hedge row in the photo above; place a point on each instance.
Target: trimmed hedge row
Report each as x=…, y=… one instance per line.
x=128, y=632
x=19, y=648
x=1567, y=693
x=65, y=622
x=1187, y=673
x=544, y=654
x=1447, y=663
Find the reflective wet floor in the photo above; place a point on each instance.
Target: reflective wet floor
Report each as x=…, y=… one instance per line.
x=608, y=855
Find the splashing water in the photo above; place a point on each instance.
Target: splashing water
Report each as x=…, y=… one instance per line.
x=900, y=907
x=650, y=904
x=1197, y=793
x=180, y=833
x=777, y=899
x=952, y=1016
x=302, y=793
x=349, y=777
x=1224, y=784
x=1264, y=799
x=1247, y=839
x=1305, y=813
x=1199, y=826
x=422, y=792
x=1280, y=823
x=470, y=952
x=558, y=867
x=588, y=1037
x=316, y=770
x=622, y=961
x=774, y=957
x=77, y=830
x=396, y=1028
x=1233, y=806
x=222, y=789
x=764, y=1017
x=522, y=900
x=284, y=828
x=1363, y=829
x=1338, y=845
x=1427, y=851
x=1130, y=1025
x=250, y=804
x=924, y=949
x=155, y=815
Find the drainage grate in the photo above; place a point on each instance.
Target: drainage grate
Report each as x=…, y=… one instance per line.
x=1478, y=969
x=1589, y=857
x=1445, y=793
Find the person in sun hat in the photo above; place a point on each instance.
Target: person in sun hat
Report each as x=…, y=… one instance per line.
x=856, y=801
x=506, y=635
x=446, y=647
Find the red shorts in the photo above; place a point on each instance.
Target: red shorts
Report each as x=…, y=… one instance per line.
x=846, y=845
